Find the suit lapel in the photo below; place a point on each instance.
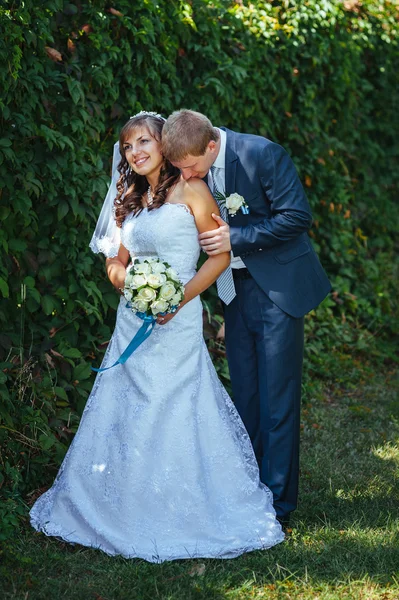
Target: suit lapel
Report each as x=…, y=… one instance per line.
x=232, y=162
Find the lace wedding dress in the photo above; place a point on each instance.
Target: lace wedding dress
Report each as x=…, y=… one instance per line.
x=161, y=467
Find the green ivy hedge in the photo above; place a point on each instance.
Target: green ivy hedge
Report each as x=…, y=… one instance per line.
x=318, y=77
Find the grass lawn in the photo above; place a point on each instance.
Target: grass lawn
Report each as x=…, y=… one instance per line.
x=344, y=541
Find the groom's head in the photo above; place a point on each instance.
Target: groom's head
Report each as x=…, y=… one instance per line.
x=190, y=142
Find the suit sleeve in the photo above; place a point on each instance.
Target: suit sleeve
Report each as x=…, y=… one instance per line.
x=290, y=211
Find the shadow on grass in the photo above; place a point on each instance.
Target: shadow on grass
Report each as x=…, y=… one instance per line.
x=350, y=459
x=368, y=500
x=310, y=559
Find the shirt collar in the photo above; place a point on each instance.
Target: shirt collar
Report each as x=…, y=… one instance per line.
x=220, y=161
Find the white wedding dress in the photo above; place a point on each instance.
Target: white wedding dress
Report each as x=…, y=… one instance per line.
x=161, y=467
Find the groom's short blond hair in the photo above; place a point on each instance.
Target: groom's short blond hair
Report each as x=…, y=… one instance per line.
x=187, y=132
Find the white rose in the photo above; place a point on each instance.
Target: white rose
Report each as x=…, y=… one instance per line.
x=152, y=259
x=143, y=268
x=140, y=305
x=155, y=280
x=128, y=278
x=234, y=202
x=128, y=295
x=147, y=294
x=167, y=291
x=176, y=299
x=138, y=281
x=159, y=306
x=158, y=267
x=172, y=274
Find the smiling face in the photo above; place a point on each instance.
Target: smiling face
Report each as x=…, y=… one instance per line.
x=143, y=152
x=198, y=166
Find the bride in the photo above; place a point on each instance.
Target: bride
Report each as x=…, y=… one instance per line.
x=161, y=467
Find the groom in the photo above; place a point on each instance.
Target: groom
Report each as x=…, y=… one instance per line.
x=275, y=278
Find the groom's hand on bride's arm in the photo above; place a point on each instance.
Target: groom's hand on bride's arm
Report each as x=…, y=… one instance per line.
x=218, y=240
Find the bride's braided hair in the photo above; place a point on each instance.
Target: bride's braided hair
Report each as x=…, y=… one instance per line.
x=131, y=187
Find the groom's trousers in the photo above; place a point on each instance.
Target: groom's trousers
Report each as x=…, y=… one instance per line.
x=265, y=350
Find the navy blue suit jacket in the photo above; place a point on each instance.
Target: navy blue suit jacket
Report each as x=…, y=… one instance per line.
x=272, y=239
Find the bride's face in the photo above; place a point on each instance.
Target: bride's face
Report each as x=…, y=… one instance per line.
x=143, y=152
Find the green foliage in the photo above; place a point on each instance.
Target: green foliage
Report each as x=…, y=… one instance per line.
x=317, y=77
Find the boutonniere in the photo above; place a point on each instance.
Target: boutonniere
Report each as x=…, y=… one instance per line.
x=233, y=203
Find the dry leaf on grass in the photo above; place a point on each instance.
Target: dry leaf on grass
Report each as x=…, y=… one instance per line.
x=197, y=570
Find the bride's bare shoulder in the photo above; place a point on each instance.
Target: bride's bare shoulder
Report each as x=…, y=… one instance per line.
x=195, y=185
x=195, y=190
x=186, y=191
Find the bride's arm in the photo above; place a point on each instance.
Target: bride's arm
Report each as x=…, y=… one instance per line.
x=197, y=196
x=116, y=268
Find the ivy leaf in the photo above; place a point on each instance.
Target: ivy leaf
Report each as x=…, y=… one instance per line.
x=17, y=245
x=29, y=282
x=46, y=441
x=4, y=289
x=62, y=210
x=75, y=89
x=71, y=353
x=47, y=304
x=4, y=212
x=34, y=293
x=61, y=393
x=82, y=371
x=70, y=9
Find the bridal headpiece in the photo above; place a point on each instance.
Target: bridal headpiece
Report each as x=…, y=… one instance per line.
x=106, y=236
x=148, y=113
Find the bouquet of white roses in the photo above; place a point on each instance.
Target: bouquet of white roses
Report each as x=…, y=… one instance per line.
x=152, y=287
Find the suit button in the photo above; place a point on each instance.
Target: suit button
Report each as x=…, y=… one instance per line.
x=260, y=249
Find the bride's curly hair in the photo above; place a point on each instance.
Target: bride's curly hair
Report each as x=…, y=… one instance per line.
x=131, y=187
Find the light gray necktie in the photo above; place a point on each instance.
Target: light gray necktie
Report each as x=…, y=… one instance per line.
x=225, y=281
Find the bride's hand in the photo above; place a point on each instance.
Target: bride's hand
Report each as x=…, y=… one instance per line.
x=163, y=319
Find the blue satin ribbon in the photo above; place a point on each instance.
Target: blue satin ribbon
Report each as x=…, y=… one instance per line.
x=143, y=333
